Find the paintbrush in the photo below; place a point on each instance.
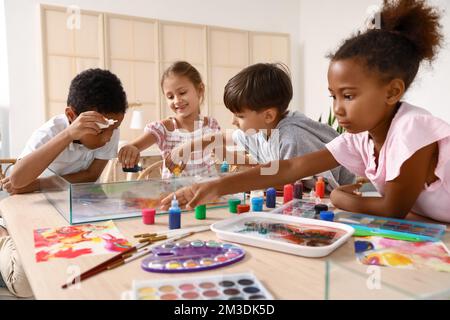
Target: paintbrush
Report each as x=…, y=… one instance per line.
x=102, y=266
x=171, y=233
x=128, y=253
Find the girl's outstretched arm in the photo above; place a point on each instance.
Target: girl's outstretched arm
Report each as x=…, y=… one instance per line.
x=399, y=194
x=129, y=154
x=272, y=174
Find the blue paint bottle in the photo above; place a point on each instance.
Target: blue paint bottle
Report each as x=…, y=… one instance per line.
x=271, y=198
x=225, y=167
x=327, y=216
x=257, y=204
x=174, y=215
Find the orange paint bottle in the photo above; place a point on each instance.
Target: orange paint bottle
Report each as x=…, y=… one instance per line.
x=320, y=188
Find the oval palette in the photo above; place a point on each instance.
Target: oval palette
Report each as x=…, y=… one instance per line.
x=192, y=256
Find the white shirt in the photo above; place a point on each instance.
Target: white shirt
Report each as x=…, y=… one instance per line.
x=75, y=157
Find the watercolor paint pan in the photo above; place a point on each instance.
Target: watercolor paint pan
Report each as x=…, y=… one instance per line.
x=427, y=231
x=238, y=286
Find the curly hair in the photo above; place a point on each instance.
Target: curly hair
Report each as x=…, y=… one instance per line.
x=259, y=87
x=99, y=90
x=410, y=33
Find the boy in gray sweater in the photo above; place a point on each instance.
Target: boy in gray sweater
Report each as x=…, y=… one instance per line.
x=259, y=97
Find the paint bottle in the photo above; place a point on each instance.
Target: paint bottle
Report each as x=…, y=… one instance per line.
x=225, y=167
x=257, y=204
x=327, y=216
x=320, y=188
x=318, y=208
x=243, y=208
x=148, y=216
x=200, y=212
x=256, y=194
x=298, y=190
x=232, y=205
x=288, y=192
x=271, y=198
x=174, y=215
x=135, y=169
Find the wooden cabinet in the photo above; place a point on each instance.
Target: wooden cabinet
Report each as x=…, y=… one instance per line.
x=131, y=54
x=68, y=49
x=228, y=54
x=180, y=41
x=138, y=50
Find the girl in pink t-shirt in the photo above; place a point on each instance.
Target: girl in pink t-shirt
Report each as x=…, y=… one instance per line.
x=402, y=149
x=184, y=91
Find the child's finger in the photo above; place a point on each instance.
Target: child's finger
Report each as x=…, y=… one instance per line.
x=196, y=200
x=166, y=201
x=135, y=158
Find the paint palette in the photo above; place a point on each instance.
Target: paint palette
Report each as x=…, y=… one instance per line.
x=300, y=208
x=243, y=286
x=362, y=222
x=294, y=235
x=192, y=256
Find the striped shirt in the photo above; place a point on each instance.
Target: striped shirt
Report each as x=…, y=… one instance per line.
x=199, y=164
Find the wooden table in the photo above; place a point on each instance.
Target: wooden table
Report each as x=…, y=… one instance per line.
x=285, y=276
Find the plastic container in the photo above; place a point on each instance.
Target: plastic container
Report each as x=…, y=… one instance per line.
x=243, y=208
x=298, y=190
x=257, y=204
x=232, y=205
x=148, y=216
x=231, y=230
x=320, y=188
x=288, y=193
x=326, y=215
x=271, y=198
x=174, y=215
x=200, y=212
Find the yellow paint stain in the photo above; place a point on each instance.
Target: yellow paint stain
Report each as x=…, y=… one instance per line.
x=395, y=259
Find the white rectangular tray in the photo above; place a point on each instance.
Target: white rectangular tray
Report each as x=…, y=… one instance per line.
x=226, y=230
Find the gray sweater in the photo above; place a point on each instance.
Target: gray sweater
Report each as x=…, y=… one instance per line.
x=296, y=135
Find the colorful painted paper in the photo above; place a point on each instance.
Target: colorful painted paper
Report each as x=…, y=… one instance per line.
x=402, y=254
x=74, y=241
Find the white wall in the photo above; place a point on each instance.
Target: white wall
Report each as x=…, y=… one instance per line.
x=25, y=58
x=324, y=24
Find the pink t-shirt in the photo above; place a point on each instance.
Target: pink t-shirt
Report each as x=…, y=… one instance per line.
x=200, y=164
x=411, y=129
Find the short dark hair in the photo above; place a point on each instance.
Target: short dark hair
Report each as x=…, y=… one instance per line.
x=410, y=33
x=99, y=90
x=259, y=87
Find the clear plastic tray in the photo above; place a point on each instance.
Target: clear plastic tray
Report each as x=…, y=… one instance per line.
x=294, y=235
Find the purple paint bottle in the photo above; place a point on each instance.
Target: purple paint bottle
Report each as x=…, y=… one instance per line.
x=298, y=190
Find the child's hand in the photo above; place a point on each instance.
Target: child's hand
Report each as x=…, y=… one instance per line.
x=6, y=185
x=177, y=158
x=351, y=189
x=129, y=156
x=86, y=123
x=193, y=196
